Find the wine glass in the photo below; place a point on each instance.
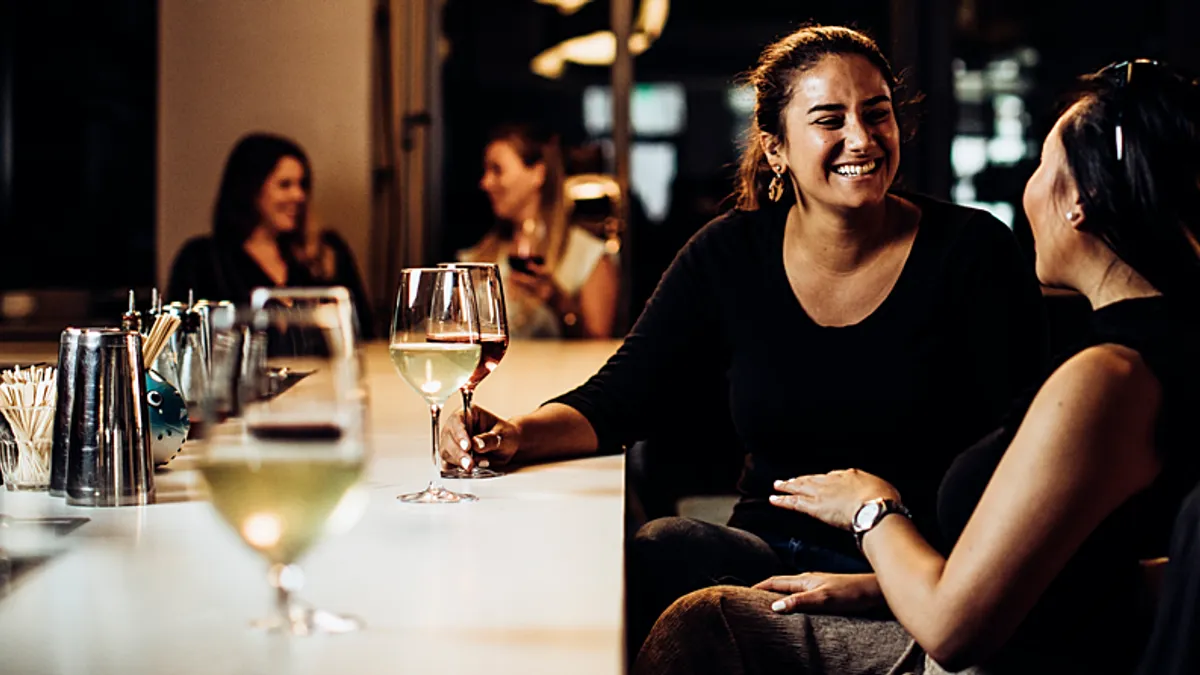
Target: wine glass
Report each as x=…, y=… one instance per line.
x=493, y=343
x=281, y=472
x=435, y=348
x=528, y=242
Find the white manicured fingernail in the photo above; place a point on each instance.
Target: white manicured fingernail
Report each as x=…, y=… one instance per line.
x=483, y=464
x=464, y=444
x=778, y=605
x=479, y=443
x=466, y=463
x=774, y=498
x=778, y=483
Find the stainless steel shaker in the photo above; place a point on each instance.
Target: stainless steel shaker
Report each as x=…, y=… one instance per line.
x=203, y=311
x=193, y=358
x=109, y=461
x=184, y=361
x=68, y=346
x=211, y=316
x=226, y=358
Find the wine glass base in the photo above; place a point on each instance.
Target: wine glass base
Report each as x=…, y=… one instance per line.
x=476, y=473
x=436, y=494
x=309, y=621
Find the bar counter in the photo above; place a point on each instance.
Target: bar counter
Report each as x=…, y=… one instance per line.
x=527, y=580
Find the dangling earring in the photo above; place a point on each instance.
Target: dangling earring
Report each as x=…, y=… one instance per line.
x=775, y=189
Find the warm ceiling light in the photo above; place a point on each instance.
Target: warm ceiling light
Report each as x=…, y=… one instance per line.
x=594, y=49
x=549, y=64
x=638, y=43
x=591, y=186
x=600, y=48
x=652, y=16
x=564, y=6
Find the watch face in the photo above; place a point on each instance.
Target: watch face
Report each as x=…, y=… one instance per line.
x=866, y=515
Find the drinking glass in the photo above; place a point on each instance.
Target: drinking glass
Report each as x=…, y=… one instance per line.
x=493, y=343
x=281, y=469
x=435, y=347
x=528, y=245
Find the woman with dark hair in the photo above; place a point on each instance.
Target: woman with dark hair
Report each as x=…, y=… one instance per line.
x=1044, y=520
x=851, y=324
x=559, y=279
x=261, y=234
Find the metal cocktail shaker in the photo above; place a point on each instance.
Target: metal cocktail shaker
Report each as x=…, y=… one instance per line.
x=109, y=460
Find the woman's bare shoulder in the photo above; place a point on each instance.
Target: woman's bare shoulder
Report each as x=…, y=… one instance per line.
x=1105, y=391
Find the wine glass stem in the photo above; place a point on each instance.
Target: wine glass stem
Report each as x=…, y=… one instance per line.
x=283, y=591
x=435, y=414
x=467, y=394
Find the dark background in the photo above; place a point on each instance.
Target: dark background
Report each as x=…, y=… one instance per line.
x=77, y=136
x=78, y=104
x=706, y=45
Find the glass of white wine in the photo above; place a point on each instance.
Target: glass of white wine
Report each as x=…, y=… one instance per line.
x=281, y=472
x=435, y=347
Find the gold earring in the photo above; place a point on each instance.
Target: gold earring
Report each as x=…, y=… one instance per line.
x=775, y=189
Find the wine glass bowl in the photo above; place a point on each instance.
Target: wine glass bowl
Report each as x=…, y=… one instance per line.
x=279, y=466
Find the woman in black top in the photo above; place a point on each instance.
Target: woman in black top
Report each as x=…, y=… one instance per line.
x=1046, y=519
x=261, y=235
x=851, y=323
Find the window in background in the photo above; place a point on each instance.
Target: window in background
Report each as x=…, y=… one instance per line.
x=992, y=135
x=740, y=101
x=651, y=172
x=658, y=114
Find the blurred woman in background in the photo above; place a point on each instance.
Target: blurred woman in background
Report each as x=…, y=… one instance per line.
x=559, y=279
x=262, y=234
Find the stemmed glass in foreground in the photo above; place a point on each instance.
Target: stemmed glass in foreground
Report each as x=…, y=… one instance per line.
x=278, y=472
x=435, y=348
x=493, y=343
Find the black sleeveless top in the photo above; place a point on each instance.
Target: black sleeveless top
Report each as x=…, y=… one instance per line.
x=1089, y=619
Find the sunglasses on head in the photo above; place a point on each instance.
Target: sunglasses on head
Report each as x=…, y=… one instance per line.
x=1121, y=74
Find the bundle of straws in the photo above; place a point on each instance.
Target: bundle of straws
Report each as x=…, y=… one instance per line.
x=156, y=340
x=27, y=401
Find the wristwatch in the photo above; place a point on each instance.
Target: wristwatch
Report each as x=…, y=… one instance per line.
x=871, y=513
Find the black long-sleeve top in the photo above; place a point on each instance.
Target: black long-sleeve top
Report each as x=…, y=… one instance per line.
x=898, y=394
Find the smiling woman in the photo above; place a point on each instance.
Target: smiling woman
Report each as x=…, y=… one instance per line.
x=261, y=233
x=843, y=147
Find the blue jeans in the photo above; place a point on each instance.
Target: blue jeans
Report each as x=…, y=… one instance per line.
x=801, y=557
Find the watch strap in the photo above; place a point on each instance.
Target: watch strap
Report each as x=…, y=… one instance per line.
x=886, y=508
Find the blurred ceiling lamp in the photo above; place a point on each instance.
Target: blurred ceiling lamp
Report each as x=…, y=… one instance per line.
x=652, y=17
x=591, y=186
x=567, y=7
x=600, y=48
